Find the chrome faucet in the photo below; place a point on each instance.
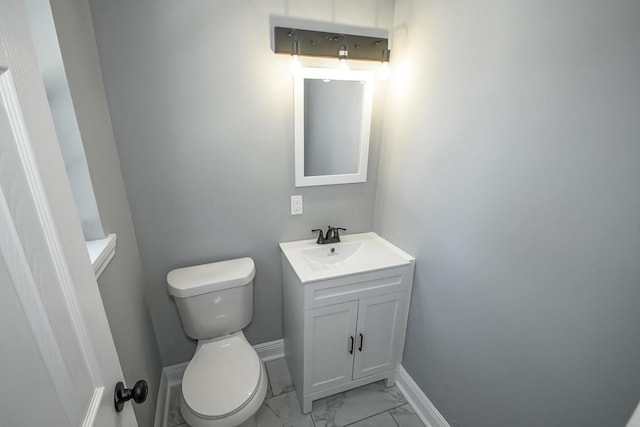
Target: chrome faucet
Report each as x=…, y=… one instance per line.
x=332, y=235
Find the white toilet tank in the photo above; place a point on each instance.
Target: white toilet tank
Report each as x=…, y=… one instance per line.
x=214, y=299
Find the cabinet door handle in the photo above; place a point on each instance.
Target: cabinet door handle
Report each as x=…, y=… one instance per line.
x=361, y=342
x=351, y=347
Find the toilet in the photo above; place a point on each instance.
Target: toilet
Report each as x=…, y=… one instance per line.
x=225, y=382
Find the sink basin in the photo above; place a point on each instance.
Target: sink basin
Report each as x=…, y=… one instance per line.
x=356, y=253
x=331, y=254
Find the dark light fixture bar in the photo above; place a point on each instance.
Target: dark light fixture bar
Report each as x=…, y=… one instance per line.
x=318, y=43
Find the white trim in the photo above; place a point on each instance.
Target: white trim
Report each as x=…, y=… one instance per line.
x=270, y=350
x=368, y=78
x=161, y=403
x=425, y=410
x=174, y=373
x=94, y=407
x=101, y=252
x=172, y=376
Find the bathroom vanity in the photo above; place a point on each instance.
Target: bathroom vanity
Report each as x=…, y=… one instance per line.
x=345, y=313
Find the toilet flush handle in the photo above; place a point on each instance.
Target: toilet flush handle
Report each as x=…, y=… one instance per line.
x=121, y=394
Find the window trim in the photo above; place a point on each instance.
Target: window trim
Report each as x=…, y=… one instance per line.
x=101, y=252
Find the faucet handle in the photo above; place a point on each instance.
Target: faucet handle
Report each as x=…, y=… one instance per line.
x=331, y=232
x=333, y=235
x=336, y=232
x=321, y=238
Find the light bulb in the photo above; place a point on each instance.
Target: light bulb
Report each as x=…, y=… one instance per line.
x=343, y=54
x=384, y=72
x=295, y=65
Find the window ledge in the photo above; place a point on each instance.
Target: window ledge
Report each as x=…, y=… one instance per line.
x=101, y=252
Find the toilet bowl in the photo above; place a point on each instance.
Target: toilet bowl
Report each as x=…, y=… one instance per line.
x=225, y=382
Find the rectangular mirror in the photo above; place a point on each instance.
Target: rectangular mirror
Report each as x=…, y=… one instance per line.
x=332, y=121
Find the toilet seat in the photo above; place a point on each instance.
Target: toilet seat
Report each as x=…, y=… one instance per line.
x=222, y=378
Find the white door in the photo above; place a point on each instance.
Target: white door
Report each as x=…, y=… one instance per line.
x=329, y=346
x=58, y=364
x=378, y=335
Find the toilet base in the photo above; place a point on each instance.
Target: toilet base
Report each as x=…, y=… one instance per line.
x=251, y=422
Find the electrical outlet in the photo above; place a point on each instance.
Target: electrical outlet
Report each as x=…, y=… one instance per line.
x=296, y=205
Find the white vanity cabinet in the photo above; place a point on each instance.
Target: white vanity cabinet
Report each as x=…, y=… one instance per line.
x=344, y=332
x=352, y=340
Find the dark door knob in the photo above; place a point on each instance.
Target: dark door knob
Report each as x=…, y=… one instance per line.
x=138, y=393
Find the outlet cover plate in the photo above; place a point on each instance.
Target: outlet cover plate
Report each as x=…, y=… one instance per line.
x=296, y=205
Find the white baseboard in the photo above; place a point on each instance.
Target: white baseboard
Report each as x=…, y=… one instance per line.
x=172, y=376
x=162, y=403
x=270, y=350
x=425, y=410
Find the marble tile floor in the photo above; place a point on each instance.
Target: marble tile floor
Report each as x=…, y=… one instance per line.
x=372, y=405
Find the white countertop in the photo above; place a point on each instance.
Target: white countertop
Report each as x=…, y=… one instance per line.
x=356, y=253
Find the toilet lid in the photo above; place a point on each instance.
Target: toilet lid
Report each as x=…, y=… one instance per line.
x=222, y=376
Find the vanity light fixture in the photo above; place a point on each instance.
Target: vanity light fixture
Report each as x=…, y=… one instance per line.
x=384, y=72
x=297, y=42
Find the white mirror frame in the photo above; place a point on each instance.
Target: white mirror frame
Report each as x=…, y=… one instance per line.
x=368, y=77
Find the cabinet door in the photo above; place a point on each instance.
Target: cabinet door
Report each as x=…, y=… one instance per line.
x=378, y=334
x=329, y=346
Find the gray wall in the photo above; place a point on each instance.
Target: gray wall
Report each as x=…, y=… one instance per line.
x=510, y=170
x=203, y=119
x=122, y=284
